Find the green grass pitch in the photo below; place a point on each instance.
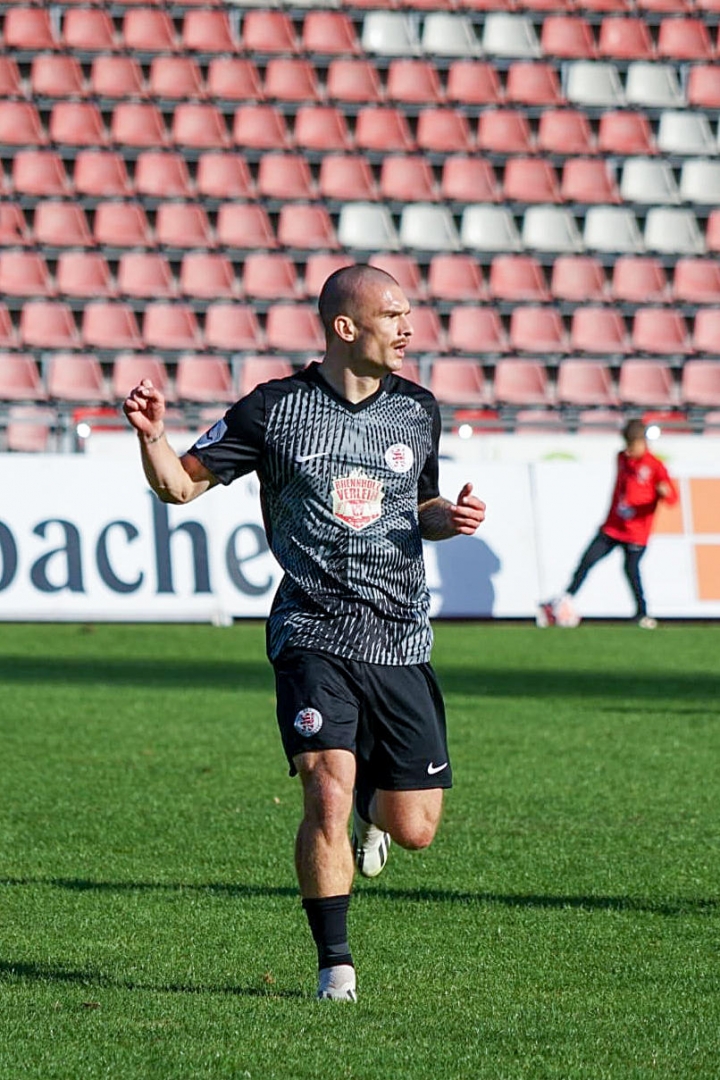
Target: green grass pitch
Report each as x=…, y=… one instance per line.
x=564, y=925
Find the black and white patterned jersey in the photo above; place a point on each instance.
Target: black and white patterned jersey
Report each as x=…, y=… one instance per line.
x=340, y=486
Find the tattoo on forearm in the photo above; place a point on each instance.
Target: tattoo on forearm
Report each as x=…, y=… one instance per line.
x=434, y=520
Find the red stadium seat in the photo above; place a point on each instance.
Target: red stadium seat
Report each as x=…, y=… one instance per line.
x=101, y=174
x=244, y=226
x=207, y=276
x=625, y=39
x=116, y=77
x=646, y=382
x=585, y=382
x=703, y=86
x=170, y=326
x=175, y=78
x=469, y=180
x=260, y=369
x=38, y=172
x=137, y=123
x=76, y=123
x=145, y=274
x=638, y=280
x=260, y=127
x=119, y=224
x=129, y=369
x=625, y=133
x=20, y=124
x=578, y=278
x=598, y=330
x=697, y=281
x=148, y=30
x=406, y=271
x=428, y=334
x=353, y=80
x=685, y=39
x=318, y=268
x=294, y=328
x=56, y=77
x=413, y=82
x=223, y=176
x=162, y=175
x=183, y=225
x=208, y=32
x=329, y=33
x=533, y=84
x=454, y=277
x=458, y=382
x=537, y=329
x=291, y=79
x=110, y=326
x=47, y=324
x=205, y=379
x=270, y=276
x=232, y=327
x=660, y=330
x=530, y=180
x=61, y=224
x=504, y=131
x=20, y=378
x=473, y=82
x=700, y=383
x=517, y=278
x=88, y=30
x=346, y=177
x=29, y=29
x=476, y=330
x=13, y=227
x=712, y=231
x=302, y=226
x=197, y=126
x=83, y=273
x=76, y=377
x=284, y=176
x=564, y=131
x=520, y=382
x=10, y=84
x=268, y=32
x=407, y=179
x=24, y=273
x=232, y=78
x=567, y=37
x=588, y=181
x=706, y=336
x=381, y=128
x=28, y=430
x=443, y=131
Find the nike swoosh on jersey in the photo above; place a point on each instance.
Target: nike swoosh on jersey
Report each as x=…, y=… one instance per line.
x=309, y=457
x=432, y=768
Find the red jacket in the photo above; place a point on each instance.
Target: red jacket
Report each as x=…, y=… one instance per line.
x=635, y=498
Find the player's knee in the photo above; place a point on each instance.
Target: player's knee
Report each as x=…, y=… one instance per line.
x=415, y=835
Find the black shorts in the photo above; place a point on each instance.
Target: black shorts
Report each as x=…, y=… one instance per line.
x=392, y=718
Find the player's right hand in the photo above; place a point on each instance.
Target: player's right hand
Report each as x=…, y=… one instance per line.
x=145, y=408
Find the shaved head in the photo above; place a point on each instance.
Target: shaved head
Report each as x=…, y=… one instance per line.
x=345, y=291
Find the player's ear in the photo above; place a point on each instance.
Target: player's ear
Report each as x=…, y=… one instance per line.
x=345, y=328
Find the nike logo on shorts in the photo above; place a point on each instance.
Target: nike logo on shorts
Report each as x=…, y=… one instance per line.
x=432, y=768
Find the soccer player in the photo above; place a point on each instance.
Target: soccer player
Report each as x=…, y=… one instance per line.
x=347, y=456
x=642, y=482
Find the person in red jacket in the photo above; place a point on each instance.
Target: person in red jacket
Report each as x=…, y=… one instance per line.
x=642, y=483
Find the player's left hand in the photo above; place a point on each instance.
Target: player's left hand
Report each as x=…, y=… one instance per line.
x=467, y=513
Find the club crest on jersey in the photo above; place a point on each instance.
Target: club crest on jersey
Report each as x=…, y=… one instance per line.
x=399, y=457
x=308, y=722
x=357, y=499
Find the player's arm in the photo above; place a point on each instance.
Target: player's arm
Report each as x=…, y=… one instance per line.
x=441, y=519
x=173, y=479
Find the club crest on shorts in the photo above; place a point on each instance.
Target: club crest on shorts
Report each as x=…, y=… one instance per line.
x=308, y=722
x=399, y=457
x=357, y=499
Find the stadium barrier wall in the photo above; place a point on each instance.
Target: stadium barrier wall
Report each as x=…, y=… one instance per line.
x=83, y=539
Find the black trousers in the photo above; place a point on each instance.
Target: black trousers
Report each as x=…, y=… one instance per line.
x=600, y=546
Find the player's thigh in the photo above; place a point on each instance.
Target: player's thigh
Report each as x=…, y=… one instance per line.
x=411, y=817
x=317, y=704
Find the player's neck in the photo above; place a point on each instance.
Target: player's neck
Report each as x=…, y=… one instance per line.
x=354, y=388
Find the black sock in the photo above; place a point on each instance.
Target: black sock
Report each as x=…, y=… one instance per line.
x=327, y=916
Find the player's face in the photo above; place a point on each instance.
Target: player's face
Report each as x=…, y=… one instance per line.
x=383, y=327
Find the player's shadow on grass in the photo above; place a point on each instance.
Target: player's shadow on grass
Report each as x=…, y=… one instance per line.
x=668, y=907
x=11, y=970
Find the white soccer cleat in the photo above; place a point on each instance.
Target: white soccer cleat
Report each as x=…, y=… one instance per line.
x=565, y=614
x=337, y=983
x=370, y=846
x=545, y=615
x=647, y=623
